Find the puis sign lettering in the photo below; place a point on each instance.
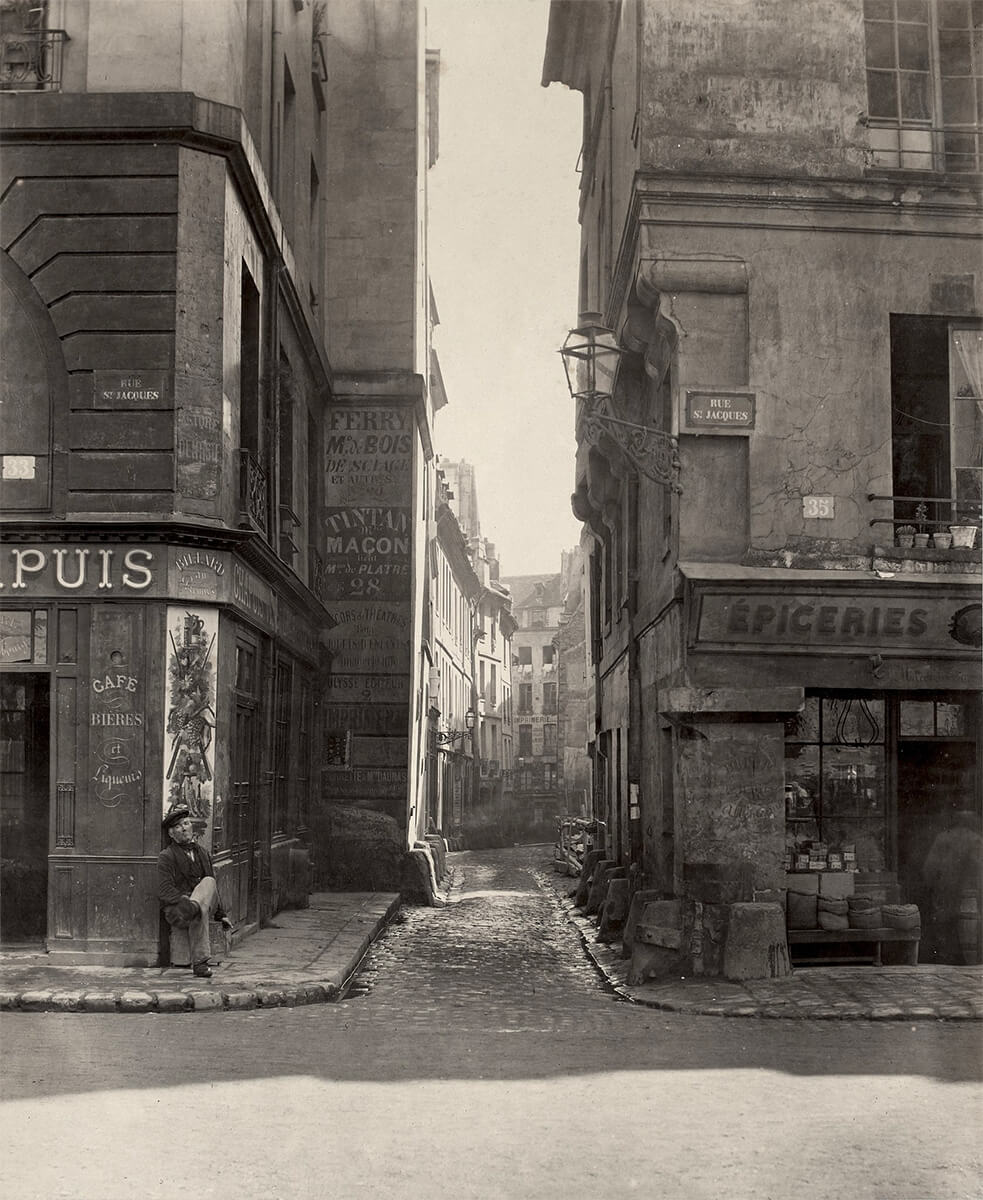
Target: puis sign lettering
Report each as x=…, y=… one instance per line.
x=80, y=570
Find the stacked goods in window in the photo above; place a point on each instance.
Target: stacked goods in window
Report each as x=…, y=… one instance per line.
x=817, y=856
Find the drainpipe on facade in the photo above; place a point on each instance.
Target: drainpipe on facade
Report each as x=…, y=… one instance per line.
x=635, y=841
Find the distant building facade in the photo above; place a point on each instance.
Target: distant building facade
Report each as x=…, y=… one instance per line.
x=540, y=608
x=453, y=695
x=575, y=727
x=488, y=814
x=496, y=630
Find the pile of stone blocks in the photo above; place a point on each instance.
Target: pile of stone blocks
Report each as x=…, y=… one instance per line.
x=679, y=936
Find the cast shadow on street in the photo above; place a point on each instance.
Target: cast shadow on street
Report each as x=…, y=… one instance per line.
x=55, y=1054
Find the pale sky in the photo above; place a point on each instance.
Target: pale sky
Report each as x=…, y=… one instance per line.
x=504, y=254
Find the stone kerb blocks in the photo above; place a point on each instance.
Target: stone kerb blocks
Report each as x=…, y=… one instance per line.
x=657, y=941
x=602, y=876
x=586, y=875
x=755, y=946
x=635, y=909
x=738, y=941
x=614, y=910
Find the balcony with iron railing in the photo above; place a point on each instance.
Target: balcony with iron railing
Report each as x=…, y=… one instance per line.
x=928, y=515
x=317, y=575
x=254, y=493
x=31, y=60
x=951, y=149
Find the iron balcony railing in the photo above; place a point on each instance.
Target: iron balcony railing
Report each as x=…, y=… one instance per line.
x=31, y=60
x=318, y=575
x=939, y=511
x=953, y=149
x=254, y=492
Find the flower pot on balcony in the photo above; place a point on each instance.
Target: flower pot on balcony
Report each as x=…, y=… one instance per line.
x=941, y=541
x=963, y=535
x=921, y=541
x=906, y=536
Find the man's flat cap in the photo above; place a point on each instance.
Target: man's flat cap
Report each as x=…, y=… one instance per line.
x=175, y=815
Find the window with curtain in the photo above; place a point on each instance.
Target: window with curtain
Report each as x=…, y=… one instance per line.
x=937, y=419
x=966, y=402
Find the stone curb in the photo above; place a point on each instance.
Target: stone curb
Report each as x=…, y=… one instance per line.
x=746, y=1006
x=196, y=999
x=197, y=996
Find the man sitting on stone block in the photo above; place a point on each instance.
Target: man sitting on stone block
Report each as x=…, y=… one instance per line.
x=188, y=894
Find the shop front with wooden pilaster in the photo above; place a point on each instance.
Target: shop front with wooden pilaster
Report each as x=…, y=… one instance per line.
x=828, y=738
x=125, y=671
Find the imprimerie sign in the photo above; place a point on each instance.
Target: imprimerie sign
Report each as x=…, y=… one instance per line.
x=719, y=412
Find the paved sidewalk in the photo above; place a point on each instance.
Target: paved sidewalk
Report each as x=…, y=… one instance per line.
x=817, y=993
x=305, y=956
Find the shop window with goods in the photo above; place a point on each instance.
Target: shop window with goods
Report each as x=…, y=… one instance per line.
x=835, y=797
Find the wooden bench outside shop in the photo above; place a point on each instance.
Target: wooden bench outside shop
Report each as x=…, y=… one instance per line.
x=872, y=938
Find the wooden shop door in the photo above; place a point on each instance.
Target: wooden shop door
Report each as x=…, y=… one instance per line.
x=241, y=897
x=25, y=753
x=240, y=893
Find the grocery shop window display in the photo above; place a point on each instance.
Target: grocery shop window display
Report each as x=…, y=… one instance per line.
x=835, y=786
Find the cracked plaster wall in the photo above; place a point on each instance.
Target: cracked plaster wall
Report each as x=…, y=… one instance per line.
x=818, y=360
x=742, y=85
x=820, y=363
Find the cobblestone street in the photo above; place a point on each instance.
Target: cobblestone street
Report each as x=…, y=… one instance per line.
x=500, y=952
x=480, y=1052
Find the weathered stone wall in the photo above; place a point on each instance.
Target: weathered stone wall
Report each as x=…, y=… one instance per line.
x=373, y=179
x=357, y=850
x=733, y=820
x=750, y=86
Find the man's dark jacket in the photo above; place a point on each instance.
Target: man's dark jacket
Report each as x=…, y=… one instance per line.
x=177, y=878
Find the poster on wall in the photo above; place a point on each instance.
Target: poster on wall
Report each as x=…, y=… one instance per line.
x=191, y=654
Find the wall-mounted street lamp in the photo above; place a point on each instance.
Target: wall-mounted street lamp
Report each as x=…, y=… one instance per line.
x=591, y=356
x=452, y=735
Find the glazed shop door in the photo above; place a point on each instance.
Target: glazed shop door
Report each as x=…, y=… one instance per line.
x=240, y=893
x=24, y=804
x=940, y=848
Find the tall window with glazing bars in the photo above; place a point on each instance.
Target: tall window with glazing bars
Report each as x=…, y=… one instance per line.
x=925, y=83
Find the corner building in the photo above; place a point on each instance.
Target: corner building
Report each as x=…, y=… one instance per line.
x=214, y=451
x=781, y=224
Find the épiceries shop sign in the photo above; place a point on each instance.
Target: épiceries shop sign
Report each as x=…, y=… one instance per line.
x=903, y=620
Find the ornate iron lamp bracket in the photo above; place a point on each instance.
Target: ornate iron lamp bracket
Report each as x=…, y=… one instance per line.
x=651, y=452
x=591, y=356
